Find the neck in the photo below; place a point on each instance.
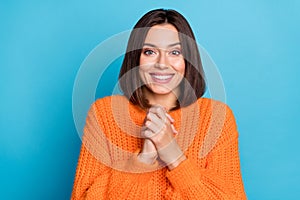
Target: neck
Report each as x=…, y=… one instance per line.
x=166, y=100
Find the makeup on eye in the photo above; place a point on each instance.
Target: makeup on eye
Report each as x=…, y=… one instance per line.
x=174, y=51
x=148, y=51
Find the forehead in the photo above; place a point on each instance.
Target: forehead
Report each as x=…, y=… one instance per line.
x=162, y=35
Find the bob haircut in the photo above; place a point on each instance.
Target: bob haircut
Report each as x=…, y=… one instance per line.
x=129, y=79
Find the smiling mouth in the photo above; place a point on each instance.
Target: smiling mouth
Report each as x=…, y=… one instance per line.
x=161, y=78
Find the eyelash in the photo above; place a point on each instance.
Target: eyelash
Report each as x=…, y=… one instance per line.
x=147, y=51
x=151, y=52
x=175, y=52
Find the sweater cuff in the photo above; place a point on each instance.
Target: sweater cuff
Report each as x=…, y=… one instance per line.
x=184, y=175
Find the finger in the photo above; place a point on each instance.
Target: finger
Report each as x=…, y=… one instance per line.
x=154, y=118
x=153, y=127
x=143, y=129
x=153, y=107
x=170, y=118
x=173, y=129
x=159, y=111
x=161, y=114
x=148, y=133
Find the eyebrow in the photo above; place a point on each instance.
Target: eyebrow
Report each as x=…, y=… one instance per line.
x=170, y=45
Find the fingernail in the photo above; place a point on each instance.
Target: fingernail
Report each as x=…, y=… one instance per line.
x=174, y=130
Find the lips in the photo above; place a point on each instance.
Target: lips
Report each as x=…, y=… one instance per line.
x=161, y=78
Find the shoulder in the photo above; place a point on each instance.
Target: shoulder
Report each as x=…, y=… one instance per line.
x=104, y=108
x=109, y=99
x=109, y=102
x=208, y=101
x=221, y=126
x=209, y=106
x=216, y=113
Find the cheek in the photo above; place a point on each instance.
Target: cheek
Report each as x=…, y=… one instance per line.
x=144, y=60
x=179, y=66
x=143, y=74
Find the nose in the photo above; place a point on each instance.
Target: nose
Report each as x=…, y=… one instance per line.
x=162, y=61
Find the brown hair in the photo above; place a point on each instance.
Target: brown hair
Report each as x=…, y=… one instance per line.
x=131, y=84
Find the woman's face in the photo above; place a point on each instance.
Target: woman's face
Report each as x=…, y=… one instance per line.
x=161, y=62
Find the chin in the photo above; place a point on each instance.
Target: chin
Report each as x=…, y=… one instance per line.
x=160, y=90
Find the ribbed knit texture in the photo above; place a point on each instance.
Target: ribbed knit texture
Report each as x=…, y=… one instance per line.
x=108, y=167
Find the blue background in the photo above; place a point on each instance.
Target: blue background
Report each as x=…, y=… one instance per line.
x=43, y=43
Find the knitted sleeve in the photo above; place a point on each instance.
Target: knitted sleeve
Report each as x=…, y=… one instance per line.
x=220, y=179
x=94, y=180
x=92, y=176
x=95, y=176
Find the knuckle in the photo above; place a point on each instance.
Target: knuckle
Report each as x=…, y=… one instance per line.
x=152, y=109
x=143, y=134
x=149, y=116
x=148, y=123
x=147, y=133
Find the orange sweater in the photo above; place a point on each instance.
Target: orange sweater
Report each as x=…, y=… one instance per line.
x=108, y=167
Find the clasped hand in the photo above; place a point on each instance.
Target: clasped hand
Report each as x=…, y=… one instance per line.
x=158, y=131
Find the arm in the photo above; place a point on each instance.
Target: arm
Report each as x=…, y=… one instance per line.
x=94, y=180
x=220, y=179
x=101, y=176
x=92, y=176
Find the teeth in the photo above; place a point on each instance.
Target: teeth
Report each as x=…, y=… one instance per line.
x=162, y=77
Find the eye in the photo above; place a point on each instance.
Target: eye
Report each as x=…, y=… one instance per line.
x=148, y=52
x=175, y=52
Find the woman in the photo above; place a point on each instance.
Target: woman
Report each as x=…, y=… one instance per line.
x=162, y=139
